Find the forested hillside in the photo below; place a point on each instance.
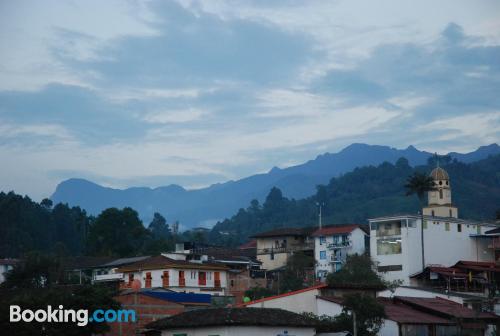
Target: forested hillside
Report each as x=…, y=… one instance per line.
x=367, y=192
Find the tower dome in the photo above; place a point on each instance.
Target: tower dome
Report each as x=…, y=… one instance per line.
x=439, y=173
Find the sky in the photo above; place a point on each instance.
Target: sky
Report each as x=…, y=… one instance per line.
x=149, y=93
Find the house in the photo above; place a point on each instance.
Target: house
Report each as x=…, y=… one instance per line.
x=177, y=275
x=396, y=244
x=83, y=269
x=234, y=321
x=276, y=246
x=467, y=321
x=309, y=300
x=332, y=245
x=107, y=272
x=151, y=305
x=5, y=266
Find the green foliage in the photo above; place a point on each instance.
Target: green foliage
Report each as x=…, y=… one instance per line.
x=159, y=227
x=363, y=193
x=419, y=184
x=294, y=276
x=36, y=283
x=358, y=269
x=117, y=233
x=256, y=293
x=369, y=314
x=27, y=226
x=81, y=297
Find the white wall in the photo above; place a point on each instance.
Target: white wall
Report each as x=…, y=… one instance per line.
x=441, y=247
x=357, y=238
x=389, y=328
x=3, y=270
x=191, y=282
x=241, y=331
x=297, y=303
x=422, y=293
x=328, y=308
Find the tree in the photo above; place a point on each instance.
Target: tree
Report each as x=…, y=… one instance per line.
x=117, y=233
x=35, y=284
x=46, y=203
x=358, y=269
x=369, y=314
x=419, y=184
x=159, y=227
x=256, y=293
x=294, y=276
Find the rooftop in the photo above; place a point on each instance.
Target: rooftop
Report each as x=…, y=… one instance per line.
x=401, y=313
x=444, y=308
x=124, y=261
x=336, y=229
x=233, y=317
x=162, y=262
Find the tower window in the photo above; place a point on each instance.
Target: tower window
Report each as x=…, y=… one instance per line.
x=459, y=227
x=447, y=182
x=441, y=193
x=432, y=213
x=451, y=213
x=447, y=226
x=440, y=182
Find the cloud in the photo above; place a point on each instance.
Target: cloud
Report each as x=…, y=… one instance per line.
x=176, y=116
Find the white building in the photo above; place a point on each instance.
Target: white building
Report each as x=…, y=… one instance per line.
x=332, y=245
x=396, y=244
x=176, y=275
x=235, y=321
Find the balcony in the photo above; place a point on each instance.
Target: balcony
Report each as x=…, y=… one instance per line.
x=339, y=244
x=335, y=259
x=108, y=277
x=287, y=249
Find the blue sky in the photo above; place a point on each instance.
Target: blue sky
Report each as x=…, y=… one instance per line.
x=149, y=93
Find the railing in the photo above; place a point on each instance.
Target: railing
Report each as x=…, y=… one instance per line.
x=294, y=248
x=340, y=244
x=108, y=277
x=334, y=259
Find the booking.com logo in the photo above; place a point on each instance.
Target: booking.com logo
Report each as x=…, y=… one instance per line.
x=81, y=316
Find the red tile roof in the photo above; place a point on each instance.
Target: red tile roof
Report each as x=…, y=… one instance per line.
x=401, y=313
x=444, y=307
x=162, y=262
x=249, y=245
x=445, y=271
x=477, y=265
x=336, y=229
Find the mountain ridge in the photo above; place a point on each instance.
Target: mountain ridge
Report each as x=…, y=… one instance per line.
x=205, y=206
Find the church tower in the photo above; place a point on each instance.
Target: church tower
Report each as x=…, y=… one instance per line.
x=439, y=199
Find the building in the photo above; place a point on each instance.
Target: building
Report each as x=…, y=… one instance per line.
x=396, y=244
x=152, y=305
x=177, y=275
x=234, y=321
x=5, y=266
x=439, y=199
x=332, y=245
x=276, y=246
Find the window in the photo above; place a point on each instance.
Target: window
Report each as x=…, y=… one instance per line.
x=414, y=330
x=271, y=257
x=390, y=228
x=202, y=279
x=441, y=193
x=322, y=240
x=447, y=226
x=433, y=213
x=478, y=228
x=232, y=283
x=451, y=213
x=179, y=335
x=388, y=246
x=390, y=268
x=459, y=227
x=322, y=255
x=425, y=224
x=148, y=280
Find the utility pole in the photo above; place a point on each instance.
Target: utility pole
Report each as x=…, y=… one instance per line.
x=354, y=327
x=320, y=205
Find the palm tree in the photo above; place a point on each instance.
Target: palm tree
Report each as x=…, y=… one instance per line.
x=419, y=184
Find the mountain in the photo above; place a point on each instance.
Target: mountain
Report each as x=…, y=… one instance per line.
x=364, y=193
x=204, y=207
